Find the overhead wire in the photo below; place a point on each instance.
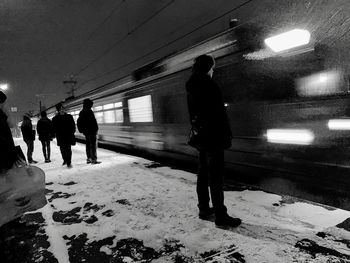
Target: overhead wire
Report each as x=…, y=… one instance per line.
x=101, y=24
x=124, y=37
x=166, y=44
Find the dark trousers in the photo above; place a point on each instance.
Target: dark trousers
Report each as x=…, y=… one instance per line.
x=211, y=174
x=46, y=149
x=30, y=149
x=91, y=145
x=66, y=152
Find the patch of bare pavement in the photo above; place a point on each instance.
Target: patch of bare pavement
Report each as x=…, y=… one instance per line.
x=24, y=240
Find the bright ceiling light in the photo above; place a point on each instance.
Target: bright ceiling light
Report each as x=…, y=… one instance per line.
x=339, y=124
x=290, y=136
x=288, y=40
x=4, y=86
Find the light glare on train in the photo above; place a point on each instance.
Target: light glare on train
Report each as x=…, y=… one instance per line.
x=339, y=124
x=290, y=136
x=288, y=40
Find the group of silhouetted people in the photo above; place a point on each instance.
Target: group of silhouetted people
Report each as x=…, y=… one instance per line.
x=62, y=127
x=209, y=122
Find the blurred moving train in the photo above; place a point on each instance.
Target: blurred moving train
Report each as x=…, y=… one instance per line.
x=287, y=111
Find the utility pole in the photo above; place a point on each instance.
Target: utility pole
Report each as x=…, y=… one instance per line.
x=71, y=83
x=42, y=100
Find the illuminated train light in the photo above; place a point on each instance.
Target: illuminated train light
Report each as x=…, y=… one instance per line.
x=339, y=124
x=288, y=40
x=290, y=136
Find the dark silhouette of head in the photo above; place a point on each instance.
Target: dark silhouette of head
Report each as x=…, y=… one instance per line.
x=87, y=104
x=43, y=114
x=26, y=117
x=2, y=97
x=59, y=106
x=203, y=64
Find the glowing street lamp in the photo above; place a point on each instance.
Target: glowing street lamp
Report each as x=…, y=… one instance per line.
x=4, y=86
x=288, y=40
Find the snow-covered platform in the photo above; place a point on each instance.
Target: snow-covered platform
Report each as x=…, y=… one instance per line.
x=129, y=209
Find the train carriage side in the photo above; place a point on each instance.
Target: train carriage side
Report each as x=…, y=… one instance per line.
x=261, y=96
x=277, y=94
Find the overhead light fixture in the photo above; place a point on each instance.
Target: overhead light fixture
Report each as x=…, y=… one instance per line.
x=290, y=136
x=288, y=40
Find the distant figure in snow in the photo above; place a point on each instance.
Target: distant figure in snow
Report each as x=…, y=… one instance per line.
x=28, y=136
x=209, y=119
x=46, y=133
x=64, y=127
x=87, y=125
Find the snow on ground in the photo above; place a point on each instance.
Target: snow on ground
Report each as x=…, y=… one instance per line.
x=129, y=210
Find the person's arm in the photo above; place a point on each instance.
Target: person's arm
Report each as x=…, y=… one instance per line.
x=10, y=121
x=38, y=127
x=72, y=124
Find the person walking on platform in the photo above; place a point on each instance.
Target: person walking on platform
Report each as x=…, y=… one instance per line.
x=87, y=125
x=64, y=128
x=209, y=119
x=45, y=132
x=28, y=136
x=7, y=146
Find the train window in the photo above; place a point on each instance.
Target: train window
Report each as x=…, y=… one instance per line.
x=321, y=83
x=119, y=116
x=97, y=108
x=108, y=106
x=140, y=109
x=109, y=116
x=99, y=116
x=118, y=104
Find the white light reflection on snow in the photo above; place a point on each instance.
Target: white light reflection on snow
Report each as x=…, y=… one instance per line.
x=288, y=40
x=290, y=136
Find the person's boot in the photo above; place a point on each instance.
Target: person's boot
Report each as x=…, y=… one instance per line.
x=45, y=156
x=205, y=214
x=227, y=221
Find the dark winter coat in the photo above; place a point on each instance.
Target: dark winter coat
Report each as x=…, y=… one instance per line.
x=64, y=127
x=7, y=146
x=87, y=123
x=45, y=129
x=207, y=112
x=27, y=130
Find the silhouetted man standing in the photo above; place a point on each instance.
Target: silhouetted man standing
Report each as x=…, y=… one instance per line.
x=7, y=146
x=28, y=136
x=64, y=127
x=87, y=125
x=45, y=131
x=208, y=117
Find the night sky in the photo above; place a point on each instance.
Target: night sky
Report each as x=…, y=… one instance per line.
x=45, y=42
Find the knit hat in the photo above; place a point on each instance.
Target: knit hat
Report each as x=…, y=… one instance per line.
x=203, y=64
x=87, y=103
